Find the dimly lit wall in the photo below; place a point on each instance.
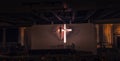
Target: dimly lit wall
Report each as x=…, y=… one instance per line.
x=82, y=35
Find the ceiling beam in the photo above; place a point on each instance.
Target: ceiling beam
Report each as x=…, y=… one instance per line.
x=40, y=16
x=90, y=14
x=116, y=14
x=73, y=16
x=58, y=17
x=111, y=20
x=45, y=18
x=106, y=13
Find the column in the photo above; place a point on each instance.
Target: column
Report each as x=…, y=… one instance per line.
x=22, y=32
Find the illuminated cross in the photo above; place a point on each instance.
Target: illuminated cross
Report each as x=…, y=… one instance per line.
x=65, y=30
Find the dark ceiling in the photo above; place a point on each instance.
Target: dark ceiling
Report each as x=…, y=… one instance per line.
x=29, y=12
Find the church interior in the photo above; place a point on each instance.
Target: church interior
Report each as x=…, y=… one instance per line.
x=59, y=30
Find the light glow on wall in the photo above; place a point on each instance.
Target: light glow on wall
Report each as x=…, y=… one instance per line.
x=107, y=31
